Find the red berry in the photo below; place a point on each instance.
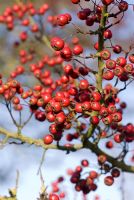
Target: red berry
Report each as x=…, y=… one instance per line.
x=108, y=34
x=77, y=50
x=60, y=118
x=83, y=84
x=96, y=106
x=84, y=163
x=107, y=120
x=118, y=138
x=96, y=96
x=109, y=144
x=62, y=20
x=117, y=117
x=105, y=54
x=115, y=172
x=121, y=61
x=48, y=139
x=75, y=1
x=90, y=21
x=107, y=2
x=109, y=180
x=93, y=174
x=108, y=75
x=78, y=107
x=82, y=15
x=96, y=46
x=94, y=120
x=110, y=64
x=117, y=49
x=40, y=116
x=54, y=197
x=57, y=43
x=131, y=58
x=123, y=6
x=66, y=53
x=118, y=71
x=103, y=111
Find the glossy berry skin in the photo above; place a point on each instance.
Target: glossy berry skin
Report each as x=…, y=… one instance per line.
x=123, y=6
x=84, y=163
x=83, y=84
x=107, y=2
x=77, y=50
x=109, y=144
x=111, y=108
x=118, y=138
x=96, y=96
x=94, y=120
x=96, y=46
x=90, y=21
x=107, y=120
x=131, y=58
x=96, y=106
x=117, y=49
x=108, y=75
x=66, y=53
x=82, y=15
x=108, y=34
x=40, y=116
x=54, y=197
x=62, y=20
x=75, y=1
x=48, y=139
x=57, y=43
x=60, y=118
x=69, y=17
x=121, y=61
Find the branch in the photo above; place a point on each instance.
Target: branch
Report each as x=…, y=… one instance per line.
x=38, y=142
x=120, y=164
x=87, y=145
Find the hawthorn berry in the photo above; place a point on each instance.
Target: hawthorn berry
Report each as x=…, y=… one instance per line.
x=115, y=172
x=48, y=139
x=117, y=49
x=57, y=43
x=83, y=84
x=121, y=61
x=109, y=180
x=75, y=1
x=108, y=34
x=105, y=54
x=84, y=163
x=54, y=197
x=66, y=53
x=77, y=50
x=123, y=6
x=107, y=2
x=62, y=20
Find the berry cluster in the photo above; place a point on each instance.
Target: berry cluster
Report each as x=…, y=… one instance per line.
x=78, y=101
